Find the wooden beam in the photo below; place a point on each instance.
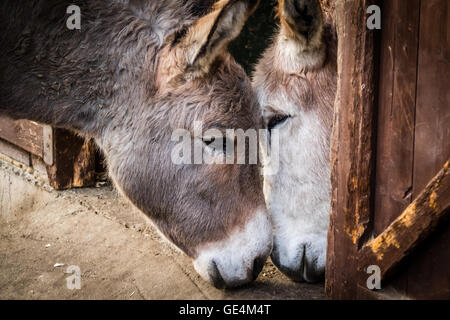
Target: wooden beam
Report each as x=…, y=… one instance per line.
x=73, y=161
x=352, y=147
x=47, y=144
x=25, y=134
x=68, y=158
x=14, y=152
x=414, y=225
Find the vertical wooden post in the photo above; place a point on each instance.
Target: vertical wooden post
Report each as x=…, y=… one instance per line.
x=73, y=161
x=352, y=147
x=47, y=141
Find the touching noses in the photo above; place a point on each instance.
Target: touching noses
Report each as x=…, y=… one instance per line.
x=238, y=259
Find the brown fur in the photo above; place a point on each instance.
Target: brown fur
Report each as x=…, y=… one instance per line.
x=114, y=81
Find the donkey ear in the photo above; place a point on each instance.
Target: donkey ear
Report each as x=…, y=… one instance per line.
x=301, y=20
x=208, y=36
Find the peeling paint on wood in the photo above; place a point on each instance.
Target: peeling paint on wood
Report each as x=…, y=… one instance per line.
x=414, y=225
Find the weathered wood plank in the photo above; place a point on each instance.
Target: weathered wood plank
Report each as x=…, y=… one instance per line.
x=73, y=161
x=69, y=159
x=396, y=115
x=47, y=144
x=84, y=168
x=23, y=133
x=411, y=227
x=413, y=144
x=432, y=143
x=428, y=273
x=352, y=147
x=396, y=111
x=14, y=152
x=388, y=293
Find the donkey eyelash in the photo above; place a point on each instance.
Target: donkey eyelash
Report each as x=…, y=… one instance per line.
x=277, y=120
x=210, y=142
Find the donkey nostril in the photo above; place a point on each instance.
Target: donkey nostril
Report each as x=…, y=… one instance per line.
x=216, y=277
x=311, y=272
x=258, y=264
x=294, y=267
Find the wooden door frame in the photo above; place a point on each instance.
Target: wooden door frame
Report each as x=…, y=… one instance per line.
x=349, y=250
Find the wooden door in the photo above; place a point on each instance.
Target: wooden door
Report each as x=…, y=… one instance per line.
x=391, y=185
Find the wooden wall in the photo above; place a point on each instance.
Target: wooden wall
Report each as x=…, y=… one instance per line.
x=413, y=141
x=390, y=169
x=62, y=158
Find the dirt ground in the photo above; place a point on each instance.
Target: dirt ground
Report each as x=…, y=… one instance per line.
x=120, y=255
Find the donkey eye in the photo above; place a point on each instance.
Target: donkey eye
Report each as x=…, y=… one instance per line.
x=216, y=143
x=208, y=141
x=277, y=120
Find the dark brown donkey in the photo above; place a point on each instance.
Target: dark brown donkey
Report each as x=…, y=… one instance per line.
x=135, y=72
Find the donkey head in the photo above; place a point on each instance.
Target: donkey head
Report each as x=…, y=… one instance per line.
x=215, y=213
x=296, y=82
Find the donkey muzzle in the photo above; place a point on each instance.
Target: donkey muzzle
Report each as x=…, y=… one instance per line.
x=239, y=259
x=302, y=262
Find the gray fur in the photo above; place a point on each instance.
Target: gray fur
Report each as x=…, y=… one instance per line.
x=102, y=82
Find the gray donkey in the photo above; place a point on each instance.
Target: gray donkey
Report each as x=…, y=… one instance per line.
x=135, y=72
x=295, y=81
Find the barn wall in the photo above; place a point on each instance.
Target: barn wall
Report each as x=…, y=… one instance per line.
x=60, y=157
x=398, y=217
x=413, y=130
